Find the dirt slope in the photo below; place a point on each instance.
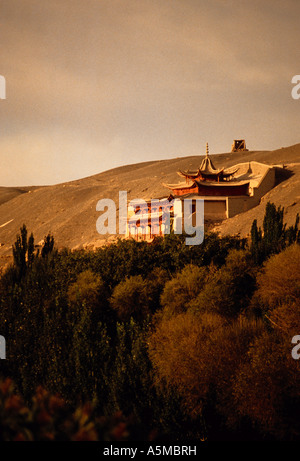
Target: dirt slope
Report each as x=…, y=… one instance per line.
x=68, y=210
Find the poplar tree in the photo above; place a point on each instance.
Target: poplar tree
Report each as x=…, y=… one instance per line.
x=23, y=251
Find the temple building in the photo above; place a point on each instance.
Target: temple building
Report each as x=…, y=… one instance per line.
x=209, y=181
x=225, y=192
x=149, y=218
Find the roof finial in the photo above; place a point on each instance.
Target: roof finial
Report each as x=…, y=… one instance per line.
x=207, y=149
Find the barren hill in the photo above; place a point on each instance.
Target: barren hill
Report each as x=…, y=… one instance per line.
x=68, y=210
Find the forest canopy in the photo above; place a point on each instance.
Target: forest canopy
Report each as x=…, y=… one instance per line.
x=184, y=342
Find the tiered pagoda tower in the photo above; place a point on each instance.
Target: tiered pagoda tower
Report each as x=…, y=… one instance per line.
x=208, y=180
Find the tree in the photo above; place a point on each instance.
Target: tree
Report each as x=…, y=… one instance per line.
x=89, y=293
x=266, y=388
x=182, y=289
x=293, y=232
x=279, y=282
x=285, y=318
x=48, y=245
x=228, y=290
x=130, y=298
x=180, y=353
x=273, y=227
x=23, y=251
x=256, y=243
x=274, y=236
x=156, y=281
x=91, y=358
x=131, y=386
x=86, y=289
x=199, y=356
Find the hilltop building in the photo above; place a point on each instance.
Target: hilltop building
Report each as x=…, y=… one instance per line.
x=238, y=145
x=209, y=181
x=226, y=192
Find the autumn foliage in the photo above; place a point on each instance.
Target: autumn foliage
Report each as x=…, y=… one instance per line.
x=137, y=341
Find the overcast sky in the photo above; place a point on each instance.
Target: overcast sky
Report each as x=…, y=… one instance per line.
x=94, y=84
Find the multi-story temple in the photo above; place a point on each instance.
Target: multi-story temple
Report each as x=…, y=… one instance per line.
x=150, y=218
x=225, y=192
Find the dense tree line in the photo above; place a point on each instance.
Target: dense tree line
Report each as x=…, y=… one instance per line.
x=188, y=341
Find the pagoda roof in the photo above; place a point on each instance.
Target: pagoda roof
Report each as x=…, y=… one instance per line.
x=189, y=173
x=206, y=168
x=207, y=165
x=181, y=185
x=222, y=184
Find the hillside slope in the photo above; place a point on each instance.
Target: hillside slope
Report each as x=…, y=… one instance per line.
x=68, y=210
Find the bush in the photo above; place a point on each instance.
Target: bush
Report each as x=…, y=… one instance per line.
x=279, y=281
x=199, y=356
x=182, y=289
x=49, y=418
x=160, y=331
x=180, y=352
x=86, y=289
x=267, y=387
x=130, y=299
x=228, y=290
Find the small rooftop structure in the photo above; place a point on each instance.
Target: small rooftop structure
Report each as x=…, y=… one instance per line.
x=238, y=145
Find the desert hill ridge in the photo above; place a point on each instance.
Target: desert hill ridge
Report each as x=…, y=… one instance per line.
x=68, y=210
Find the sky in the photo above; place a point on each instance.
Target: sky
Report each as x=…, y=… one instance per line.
x=95, y=84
